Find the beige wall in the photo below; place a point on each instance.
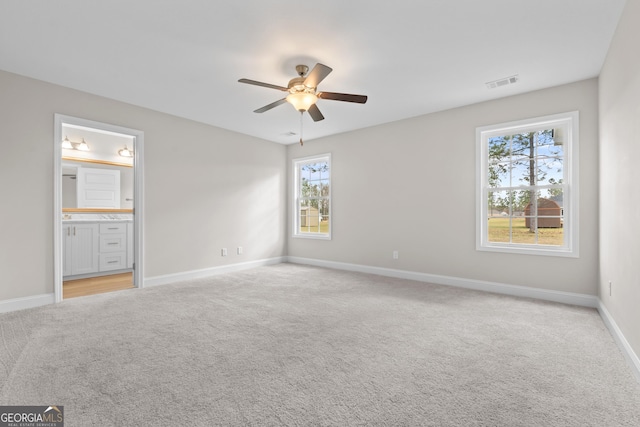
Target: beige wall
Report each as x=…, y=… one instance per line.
x=205, y=188
x=620, y=175
x=416, y=181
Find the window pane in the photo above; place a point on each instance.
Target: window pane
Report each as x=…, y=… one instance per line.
x=556, y=194
x=326, y=170
x=309, y=218
x=521, y=233
x=317, y=170
x=324, y=224
x=499, y=229
x=543, y=140
x=499, y=203
x=551, y=236
x=549, y=150
x=550, y=169
x=544, y=219
x=310, y=189
x=498, y=148
x=521, y=147
x=305, y=172
x=324, y=188
x=323, y=207
x=498, y=175
x=520, y=173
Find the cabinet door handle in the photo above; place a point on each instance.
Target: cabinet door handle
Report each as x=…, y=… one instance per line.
x=112, y=262
x=74, y=231
x=68, y=231
x=114, y=243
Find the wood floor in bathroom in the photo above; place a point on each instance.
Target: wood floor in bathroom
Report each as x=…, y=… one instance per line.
x=96, y=285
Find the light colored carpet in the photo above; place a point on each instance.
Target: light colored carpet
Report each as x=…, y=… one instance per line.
x=303, y=346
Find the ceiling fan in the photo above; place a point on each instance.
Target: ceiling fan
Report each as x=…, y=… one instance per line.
x=303, y=91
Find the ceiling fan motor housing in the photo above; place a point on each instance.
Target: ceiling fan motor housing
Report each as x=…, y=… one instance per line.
x=302, y=70
x=297, y=85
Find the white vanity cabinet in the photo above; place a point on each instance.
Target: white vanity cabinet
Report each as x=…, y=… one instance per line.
x=91, y=248
x=130, y=256
x=80, y=248
x=113, y=246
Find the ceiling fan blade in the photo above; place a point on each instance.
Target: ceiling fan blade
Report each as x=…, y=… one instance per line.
x=270, y=106
x=348, y=97
x=315, y=113
x=257, y=83
x=319, y=72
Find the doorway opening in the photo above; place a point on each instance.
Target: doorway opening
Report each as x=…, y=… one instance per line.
x=98, y=197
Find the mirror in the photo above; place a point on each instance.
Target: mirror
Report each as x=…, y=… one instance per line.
x=110, y=186
x=96, y=175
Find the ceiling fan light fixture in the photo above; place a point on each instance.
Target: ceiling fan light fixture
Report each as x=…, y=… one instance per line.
x=302, y=101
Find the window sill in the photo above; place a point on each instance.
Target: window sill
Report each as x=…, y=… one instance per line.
x=529, y=250
x=313, y=236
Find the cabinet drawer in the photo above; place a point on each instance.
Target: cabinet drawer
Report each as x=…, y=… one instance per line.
x=118, y=227
x=113, y=243
x=114, y=261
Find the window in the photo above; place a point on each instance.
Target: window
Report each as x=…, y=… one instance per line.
x=528, y=187
x=312, y=195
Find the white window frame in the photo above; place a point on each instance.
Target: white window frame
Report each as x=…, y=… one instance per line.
x=569, y=122
x=297, y=164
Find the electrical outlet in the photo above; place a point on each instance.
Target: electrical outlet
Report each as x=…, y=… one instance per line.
x=224, y=251
x=239, y=250
x=396, y=255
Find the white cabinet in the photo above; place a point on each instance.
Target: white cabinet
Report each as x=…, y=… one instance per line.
x=80, y=248
x=113, y=246
x=66, y=249
x=130, y=256
x=96, y=247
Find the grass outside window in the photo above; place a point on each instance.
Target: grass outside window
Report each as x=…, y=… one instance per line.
x=498, y=232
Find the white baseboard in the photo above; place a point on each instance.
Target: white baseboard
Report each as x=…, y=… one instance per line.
x=479, y=285
x=26, y=302
x=208, y=272
x=623, y=344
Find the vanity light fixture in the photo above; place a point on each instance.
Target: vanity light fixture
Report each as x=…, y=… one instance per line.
x=80, y=146
x=125, y=152
x=83, y=146
x=67, y=144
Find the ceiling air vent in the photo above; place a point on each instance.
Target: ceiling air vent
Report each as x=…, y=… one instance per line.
x=502, y=82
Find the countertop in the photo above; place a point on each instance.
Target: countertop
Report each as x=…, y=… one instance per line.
x=73, y=217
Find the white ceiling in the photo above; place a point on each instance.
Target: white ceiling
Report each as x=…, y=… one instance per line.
x=410, y=57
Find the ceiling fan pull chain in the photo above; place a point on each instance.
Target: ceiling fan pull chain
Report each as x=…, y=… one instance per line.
x=301, y=113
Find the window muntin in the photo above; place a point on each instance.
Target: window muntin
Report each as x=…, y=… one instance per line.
x=312, y=195
x=527, y=186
